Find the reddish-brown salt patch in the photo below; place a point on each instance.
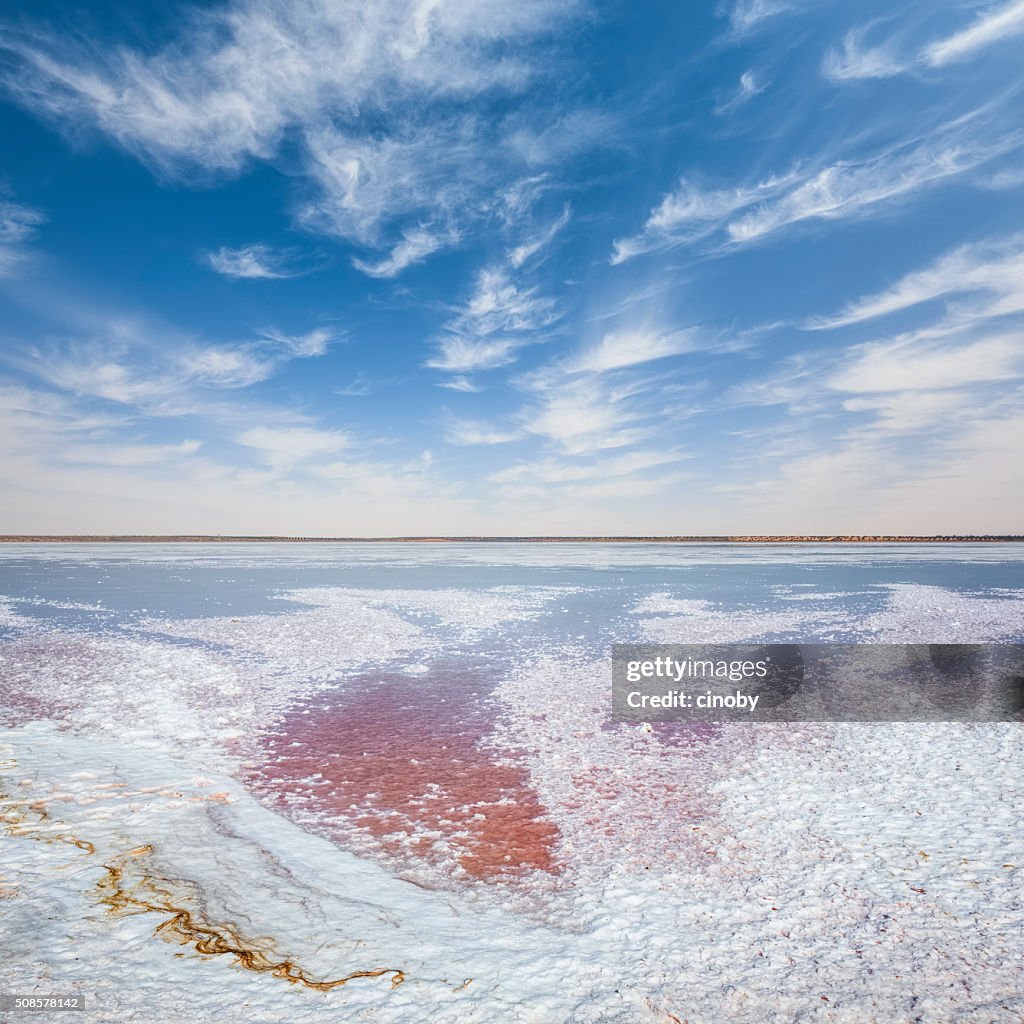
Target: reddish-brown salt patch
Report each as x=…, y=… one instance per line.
x=402, y=760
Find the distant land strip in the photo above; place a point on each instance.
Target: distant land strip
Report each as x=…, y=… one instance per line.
x=695, y=539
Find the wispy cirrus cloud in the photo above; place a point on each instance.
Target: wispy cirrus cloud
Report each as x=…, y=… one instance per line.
x=746, y=15
x=916, y=362
x=157, y=369
x=283, y=447
x=538, y=242
x=464, y=355
x=302, y=346
x=750, y=85
x=631, y=347
x=460, y=383
x=557, y=471
x=994, y=24
x=18, y=225
x=416, y=245
x=130, y=455
x=363, y=385
x=381, y=105
x=37, y=424
x=496, y=321
x=584, y=415
x=844, y=189
x=462, y=432
x=900, y=412
x=254, y=262
x=234, y=81
x=920, y=412
x=852, y=188
x=852, y=60
x=224, y=366
x=992, y=272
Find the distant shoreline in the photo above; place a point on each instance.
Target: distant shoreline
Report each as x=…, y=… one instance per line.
x=695, y=539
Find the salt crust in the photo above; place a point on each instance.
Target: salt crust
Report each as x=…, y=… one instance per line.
x=344, y=628
x=208, y=700
x=912, y=613
x=764, y=873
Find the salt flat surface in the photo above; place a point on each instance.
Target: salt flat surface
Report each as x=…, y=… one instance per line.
x=168, y=842
x=586, y=555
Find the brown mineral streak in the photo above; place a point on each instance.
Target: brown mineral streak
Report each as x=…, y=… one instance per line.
x=19, y=825
x=182, y=924
x=145, y=895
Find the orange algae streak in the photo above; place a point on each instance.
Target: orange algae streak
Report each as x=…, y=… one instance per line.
x=404, y=762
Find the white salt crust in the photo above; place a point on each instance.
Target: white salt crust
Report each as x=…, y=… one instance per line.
x=912, y=614
x=345, y=628
x=769, y=873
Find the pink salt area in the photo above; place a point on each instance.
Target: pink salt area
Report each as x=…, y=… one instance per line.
x=18, y=704
x=403, y=761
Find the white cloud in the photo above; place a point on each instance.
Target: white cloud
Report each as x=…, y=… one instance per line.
x=473, y=432
x=992, y=270
x=374, y=97
x=852, y=188
x=498, y=305
x=498, y=319
x=691, y=212
x=746, y=15
x=28, y=414
x=844, y=189
x=303, y=346
x=282, y=447
x=224, y=366
x=632, y=347
x=361, y=183
x=583, y=416
x=18, y=225
x=93, y=372
x=241, y=365
x=68, y=470
x=852, y=60
x=552, y=142
x=129, y=454
x=42, y=425
x=993, y=25
x=904, y=411
x=255, y=262
x=527, y=250
x=964, y=477
x=460, y=383
x=794, y=381
x=515, y=200
x=360, y=387
x=236, y=80
x=558, y=471
x=416, y=245
x=157, y=369
x=749, y=87
x=463, y=355
x=914, y=364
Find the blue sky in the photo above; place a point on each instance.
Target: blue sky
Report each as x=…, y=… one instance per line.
x=465, y=266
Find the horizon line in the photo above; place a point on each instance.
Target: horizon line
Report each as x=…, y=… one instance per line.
x=523, y=539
